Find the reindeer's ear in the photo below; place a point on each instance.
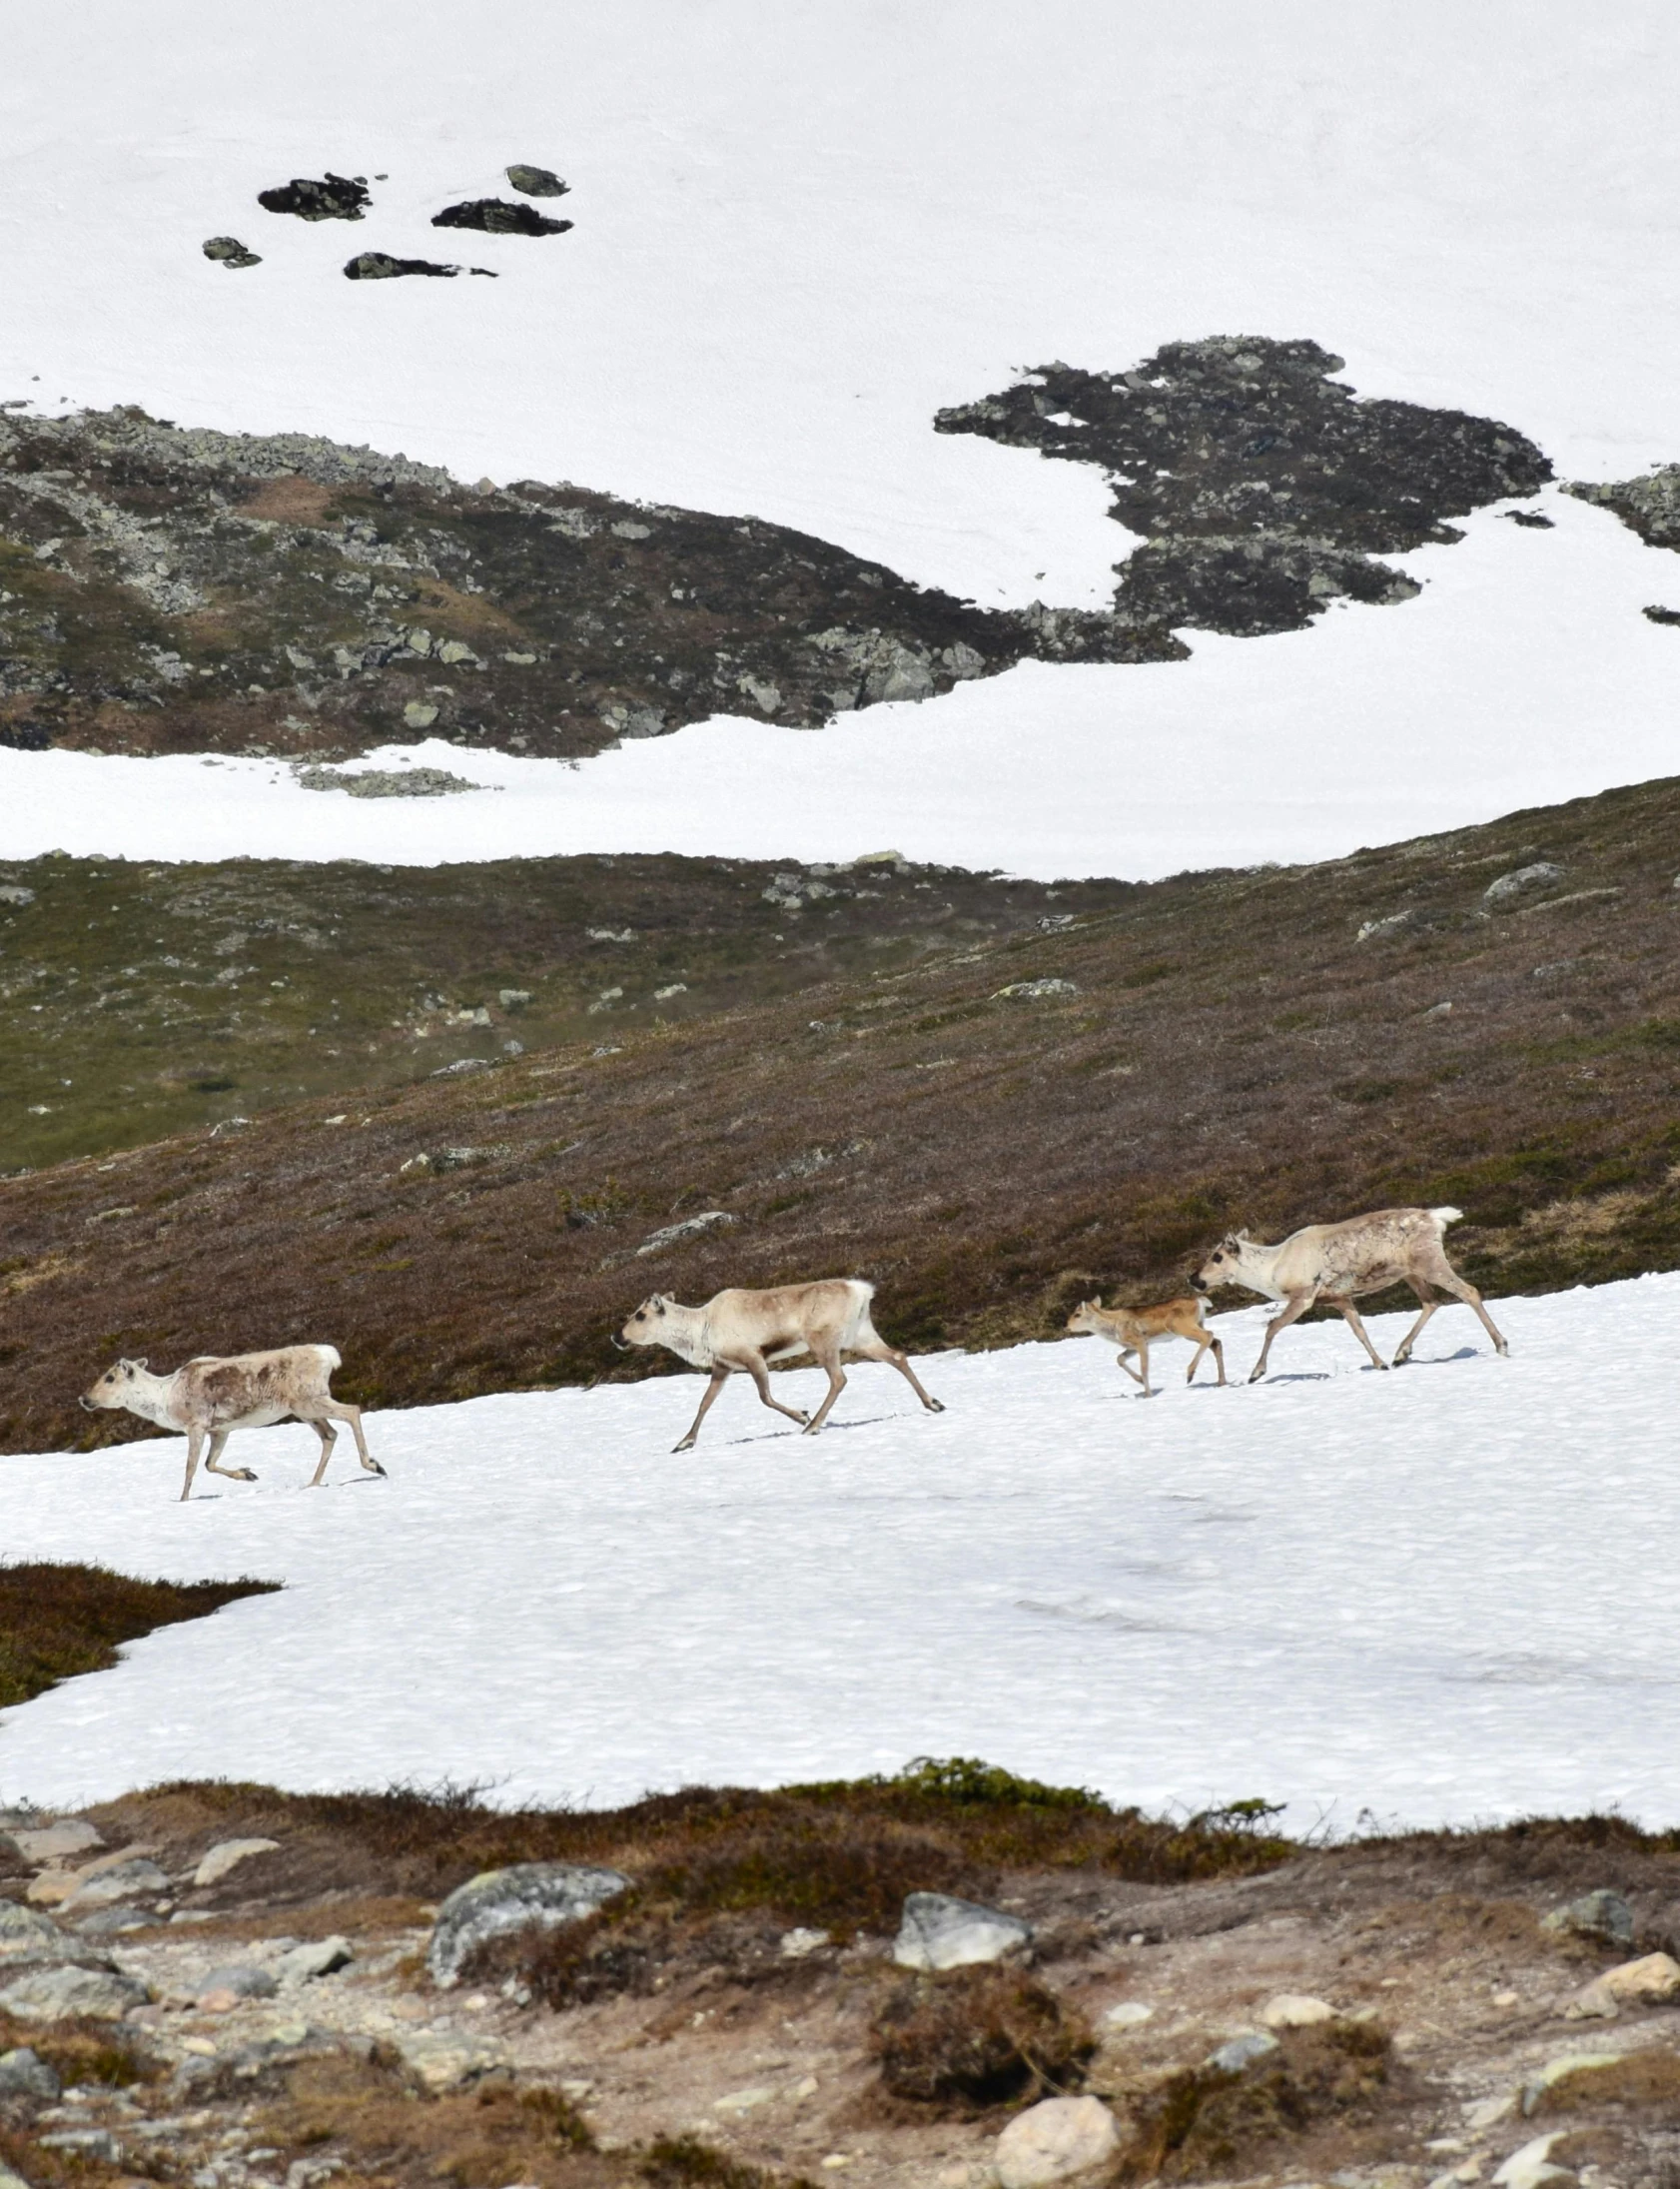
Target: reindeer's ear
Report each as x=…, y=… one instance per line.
x=141, y=1363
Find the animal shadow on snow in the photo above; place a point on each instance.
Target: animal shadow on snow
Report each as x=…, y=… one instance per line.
x=787, y=1436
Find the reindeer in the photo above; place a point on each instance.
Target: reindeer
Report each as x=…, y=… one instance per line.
x=1132, y=1329
x=742, y=1331
x=1339, y=1263
x=211, y=1397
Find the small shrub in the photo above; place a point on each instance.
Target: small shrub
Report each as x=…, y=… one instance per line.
x=60, y=1620
x=685, y=2162
x=1204, y=2120
x=978, y=2037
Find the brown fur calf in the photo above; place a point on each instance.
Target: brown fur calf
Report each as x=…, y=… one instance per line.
x=742, y=1331
x=213, y=1397
x=1132, y=1329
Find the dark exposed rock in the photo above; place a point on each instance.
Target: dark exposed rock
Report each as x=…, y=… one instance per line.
x=229, y=250
x=1663, y=615
x=535, y=182
x=334, y=198
x=381, y=266
x=1649, y=506
x=1259, y=484
x=497, y=217
x=25, y=737
x=1534, y=519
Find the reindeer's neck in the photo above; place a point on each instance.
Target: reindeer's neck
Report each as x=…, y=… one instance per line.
x=149, y=1398
x=687, y=1336
x=1258, y=1268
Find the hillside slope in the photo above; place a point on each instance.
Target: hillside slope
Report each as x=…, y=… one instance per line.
x=985, y=1132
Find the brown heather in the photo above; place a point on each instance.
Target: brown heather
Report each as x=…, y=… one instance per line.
x=1229, y=1052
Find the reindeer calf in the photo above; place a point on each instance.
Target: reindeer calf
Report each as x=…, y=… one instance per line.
x=1132, y=1329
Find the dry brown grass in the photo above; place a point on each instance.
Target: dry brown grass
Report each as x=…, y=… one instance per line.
x=1647, y=2077
x=60, y=1620
x=979, y=2038
x=1270, y=1069
x=1203, y=2121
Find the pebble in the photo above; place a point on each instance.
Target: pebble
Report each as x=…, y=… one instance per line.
x=1296, y=2011
x=1129, y=2014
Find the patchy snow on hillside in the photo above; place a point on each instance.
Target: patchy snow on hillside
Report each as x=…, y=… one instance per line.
x=1422, y=1594
x=792, y=246
x=1523, y=675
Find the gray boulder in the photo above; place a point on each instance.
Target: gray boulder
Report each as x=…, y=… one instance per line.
x=28, y=1936
x=230, y=252
x=1239, y=2055
x=56, y=1994
x=1056, y=2140
x=113, y=1922
x=239, y=1980
x=549, y=1895
x=535, y=182
x=24, y=2075
x=941, y=1932
x=1520, y=879
x=1602, y=1914
x=317, y=1957
x=56, y=1842
x=120, y=1882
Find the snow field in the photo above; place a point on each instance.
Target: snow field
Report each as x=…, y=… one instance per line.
x=1425, y=1595
x=1523, y=675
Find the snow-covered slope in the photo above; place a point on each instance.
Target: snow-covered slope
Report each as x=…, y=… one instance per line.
x=796, y=239
x=1423, y=1594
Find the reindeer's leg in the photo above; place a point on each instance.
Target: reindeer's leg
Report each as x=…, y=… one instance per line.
x=1346, y=1308
x=720, y=1377
x=827, y=1358
x=1121, y=1361
x=1218, y=1354
x=212, y=1459
x=340, y=1410
x=1293, y=1311
x=328, y=1438
x=195, y=1445
x=1449, y=1281
x=879, y=1350
x=757, y=1368
x=1144, y=1357
x=1201, y=1342
x=1429, y=1303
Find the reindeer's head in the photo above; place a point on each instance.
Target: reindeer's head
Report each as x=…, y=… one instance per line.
x=115, y=1388
x=1086, y=1320
x=1224, y=1266
x=647, y=1325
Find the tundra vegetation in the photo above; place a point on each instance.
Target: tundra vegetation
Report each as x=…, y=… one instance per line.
x=1401, y=2005
x=1073, y=1092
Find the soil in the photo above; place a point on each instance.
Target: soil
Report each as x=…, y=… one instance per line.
x=1266, y=1049
x=737, y=2047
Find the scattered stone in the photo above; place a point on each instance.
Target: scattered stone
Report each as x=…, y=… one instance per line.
x=455, y=1071
x=13, y=893
x=1650, y=1982
x=1028, y=989
x=116, y=1922
x=446, y=2063
x=1659, y=615
x=547, y=1895
x=744, y=2101
x=1531, y=2165
x=85, y=2143
x=57, y=1994
x=320, y=1957
x=942, y=1932
x=53, y=1843
x=1649, y=506
x=1602, y=1914
x=535, y=182
x=102, y=1885
x=495, y=217
x=27, y=1935
x=1488, y=2112
x=1391, y=924
x=1296, y=2011
x=381, y=266
x=1532, y=519
x=334, y=198
x=226, y=1987
x=798, y=1943
x=1054, y=2141
x=513, y=999
x=387, y=782
x=230, y=252
x=24, y=2075
x=1238, y=2054
x=1129, y=2014
x=418, y=715
x=1542, y=873
x=227, y=1855
x=691, y=1227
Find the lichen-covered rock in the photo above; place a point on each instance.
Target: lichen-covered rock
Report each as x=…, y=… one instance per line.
x=58, y=1995
x=24, y=2075
x=535, y=182
x=381, y=266
x=547, y=1895
x=497, y=217
x=332, y=197
x=230, y=252
x=28, y=1936
x=1602, y=1914
x=1649, y=506
x=940, y=1932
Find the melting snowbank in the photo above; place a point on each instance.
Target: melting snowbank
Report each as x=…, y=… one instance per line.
x=1406, y=1593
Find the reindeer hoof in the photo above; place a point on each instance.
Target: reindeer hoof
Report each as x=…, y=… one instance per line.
x=1255, y=1374
x=245, y=1475
x=687, y=1445
x=373, y=1467
x=936, y=1406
